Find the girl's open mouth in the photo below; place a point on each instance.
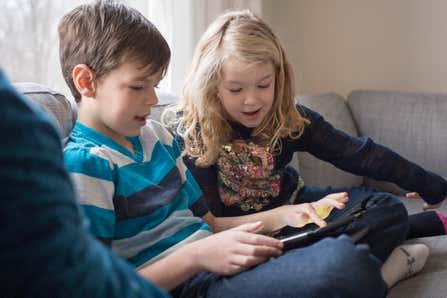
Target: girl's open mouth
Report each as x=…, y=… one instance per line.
x=251, y=113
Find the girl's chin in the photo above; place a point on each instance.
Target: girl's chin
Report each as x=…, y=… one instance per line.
x=252, y=121
x=250, y=124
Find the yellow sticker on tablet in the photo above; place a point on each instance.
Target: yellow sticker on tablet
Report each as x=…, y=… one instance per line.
x=321, y=211
x=324, y=211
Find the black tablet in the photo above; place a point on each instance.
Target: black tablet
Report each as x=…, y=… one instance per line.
x=314, y=234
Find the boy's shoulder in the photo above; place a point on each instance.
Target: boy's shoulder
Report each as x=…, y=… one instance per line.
x=85, y=155
x=83, y=152
x=88, y=158
x=158, y=131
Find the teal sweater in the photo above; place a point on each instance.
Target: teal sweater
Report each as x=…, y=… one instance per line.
x=45, y=250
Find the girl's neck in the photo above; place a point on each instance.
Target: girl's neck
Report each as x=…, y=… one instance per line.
x=241, y=131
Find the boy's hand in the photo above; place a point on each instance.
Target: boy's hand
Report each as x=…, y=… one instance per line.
x=425, y=206
x=235, y=250
x=302, y=214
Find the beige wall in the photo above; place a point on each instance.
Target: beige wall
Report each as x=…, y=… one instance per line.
x=341, y=45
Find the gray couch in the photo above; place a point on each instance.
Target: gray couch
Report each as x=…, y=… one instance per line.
x=412, y=124
x=415, y=125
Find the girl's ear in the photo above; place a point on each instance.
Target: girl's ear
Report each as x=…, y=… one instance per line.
x=83, y=78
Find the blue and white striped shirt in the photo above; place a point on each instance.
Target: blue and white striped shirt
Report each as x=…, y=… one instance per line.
x=145, y=204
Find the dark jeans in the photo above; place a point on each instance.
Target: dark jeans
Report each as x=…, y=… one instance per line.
x=332, y=267
x=385, y=216
x=329, y=268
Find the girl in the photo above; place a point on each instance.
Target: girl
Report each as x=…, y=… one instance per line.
x=240, y=126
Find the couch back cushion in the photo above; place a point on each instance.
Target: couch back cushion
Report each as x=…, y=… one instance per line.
x=60, y=109
x=164, y=100
x=314, y=171
x=412, y=124
x=63, y=110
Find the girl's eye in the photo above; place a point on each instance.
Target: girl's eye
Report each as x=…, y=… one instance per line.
x=235, y=90
x=264, y=86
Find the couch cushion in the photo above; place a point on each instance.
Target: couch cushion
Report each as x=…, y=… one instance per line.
x=430, y=282
x=412, y=124
x=60, y=109
x=314, y=171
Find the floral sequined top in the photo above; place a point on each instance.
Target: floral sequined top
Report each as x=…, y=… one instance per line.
x=245, y=175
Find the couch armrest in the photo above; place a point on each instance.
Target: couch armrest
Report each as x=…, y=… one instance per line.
x=60, y=109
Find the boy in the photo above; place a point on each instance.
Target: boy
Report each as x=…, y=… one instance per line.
x=144, y=204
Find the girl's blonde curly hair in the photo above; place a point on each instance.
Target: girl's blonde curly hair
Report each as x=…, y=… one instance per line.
x=204, y=123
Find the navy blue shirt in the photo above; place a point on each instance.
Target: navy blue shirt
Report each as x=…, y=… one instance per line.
x=45, y=249
x=357, y=155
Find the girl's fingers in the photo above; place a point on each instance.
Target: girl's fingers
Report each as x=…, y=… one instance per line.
x=413, y=195
x=316, y=219
x=309, y=210
x=426, y=206
x=336, y=203
x=338, y=196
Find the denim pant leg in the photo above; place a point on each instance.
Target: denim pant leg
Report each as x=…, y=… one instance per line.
x=329, y=268
x=386, y=216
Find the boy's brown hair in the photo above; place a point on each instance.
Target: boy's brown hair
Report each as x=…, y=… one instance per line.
x=103, y=35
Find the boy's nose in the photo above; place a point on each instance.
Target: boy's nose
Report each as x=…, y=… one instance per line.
x=152, y=98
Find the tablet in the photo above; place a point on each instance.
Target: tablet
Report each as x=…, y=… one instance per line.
x=314, y=234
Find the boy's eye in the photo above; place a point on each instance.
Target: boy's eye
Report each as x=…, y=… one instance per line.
x=136, y=87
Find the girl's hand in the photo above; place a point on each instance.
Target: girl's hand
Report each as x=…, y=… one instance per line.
x=425, y=206
x=235, y=250
x=303, y=214
x=325, y=205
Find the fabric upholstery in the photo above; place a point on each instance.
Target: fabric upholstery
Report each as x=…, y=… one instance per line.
x=314, y=171
x=57, y=105
x=412, y=124
x=164, y=99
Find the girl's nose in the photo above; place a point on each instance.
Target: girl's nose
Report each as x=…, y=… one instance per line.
x=250, y=98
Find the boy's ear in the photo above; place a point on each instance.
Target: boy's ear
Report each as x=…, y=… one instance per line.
x=83, y=78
